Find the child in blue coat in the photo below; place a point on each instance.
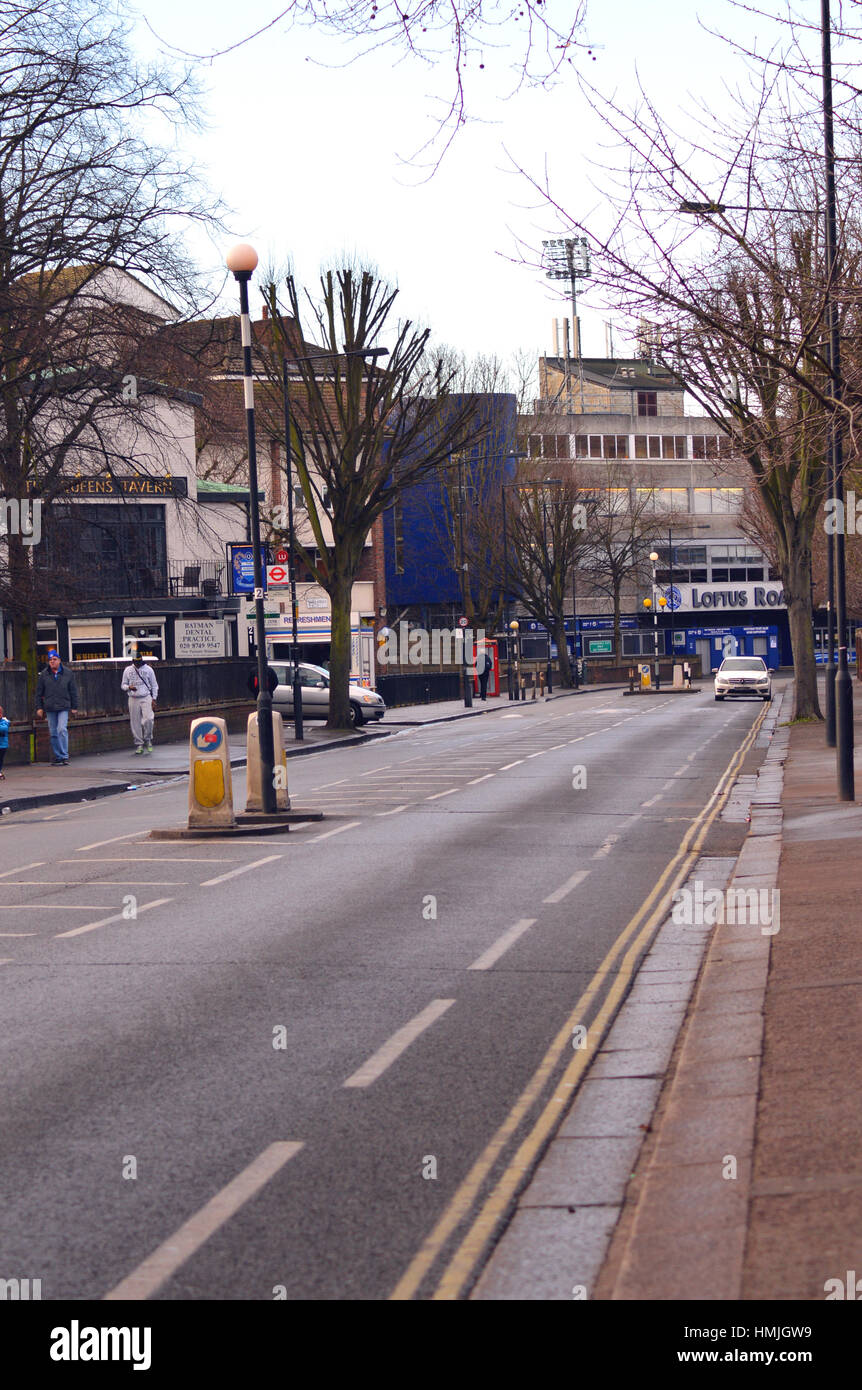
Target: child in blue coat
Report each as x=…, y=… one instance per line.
x=4, y=742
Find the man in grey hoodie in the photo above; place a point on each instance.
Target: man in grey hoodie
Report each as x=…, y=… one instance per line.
x=57, y=697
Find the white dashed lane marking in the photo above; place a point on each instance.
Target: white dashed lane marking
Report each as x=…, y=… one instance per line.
x=502, y=944
x=398, y=1043
x=244, y=869
x=117, y=917
x=566, y=888
x=179, y=1247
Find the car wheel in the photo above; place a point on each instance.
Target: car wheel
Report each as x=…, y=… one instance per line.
x=767, y=698
x=356, y=718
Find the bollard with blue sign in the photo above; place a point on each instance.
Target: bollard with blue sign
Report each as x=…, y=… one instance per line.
x=210, y=788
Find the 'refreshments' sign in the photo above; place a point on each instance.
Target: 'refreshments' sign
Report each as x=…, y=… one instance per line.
x=198, y=637
x=724, y=597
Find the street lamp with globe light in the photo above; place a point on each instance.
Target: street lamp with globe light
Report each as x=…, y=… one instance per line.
x=241, y=261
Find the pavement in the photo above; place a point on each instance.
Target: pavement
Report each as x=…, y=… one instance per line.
x=27, y=786
x=714, y=1150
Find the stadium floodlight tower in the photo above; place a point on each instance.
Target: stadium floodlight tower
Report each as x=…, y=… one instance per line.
x=568, y=258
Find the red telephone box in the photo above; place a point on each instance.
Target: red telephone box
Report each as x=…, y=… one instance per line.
x=494, y=678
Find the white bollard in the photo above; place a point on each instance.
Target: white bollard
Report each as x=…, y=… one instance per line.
x=253, y=773
x=210, y=789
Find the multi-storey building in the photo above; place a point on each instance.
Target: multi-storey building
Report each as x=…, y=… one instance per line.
x=628, y=432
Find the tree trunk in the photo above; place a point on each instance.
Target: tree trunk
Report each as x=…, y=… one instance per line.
x=797, y=596
x=566, y=680
x=339, y=657
x=618, y=634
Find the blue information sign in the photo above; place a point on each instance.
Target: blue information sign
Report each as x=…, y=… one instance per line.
x=242, y=568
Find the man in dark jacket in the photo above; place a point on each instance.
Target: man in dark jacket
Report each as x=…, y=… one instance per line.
x=57, y=697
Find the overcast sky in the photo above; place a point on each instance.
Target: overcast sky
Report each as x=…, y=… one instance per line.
x=308, y=153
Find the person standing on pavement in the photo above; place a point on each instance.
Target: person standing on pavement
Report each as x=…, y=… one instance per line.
x=485, y=662
x=139, y=682
x=4, y=741
x=57, y=697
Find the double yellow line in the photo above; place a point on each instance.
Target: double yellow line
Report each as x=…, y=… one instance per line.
x=631, y=942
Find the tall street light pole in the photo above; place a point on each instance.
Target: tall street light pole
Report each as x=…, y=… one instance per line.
x=506, y=606
x=843, y=686
x=509, y=457
x=241, y=261
x=462, y=570
x=654, y=560
x=298, y=732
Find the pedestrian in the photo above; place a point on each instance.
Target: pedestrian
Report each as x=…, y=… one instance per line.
x=486, y=664
x=57, y=698
x=139, y=682
x=4, y=741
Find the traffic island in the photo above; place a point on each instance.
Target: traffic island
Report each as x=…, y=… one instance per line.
x=211, y=814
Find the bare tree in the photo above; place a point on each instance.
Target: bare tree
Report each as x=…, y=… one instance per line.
x=364, y=428
x=623, y=528
x=548, y=521
x=736, y=299
x=90, y=260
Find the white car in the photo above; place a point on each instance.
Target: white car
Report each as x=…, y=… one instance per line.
x=364, y=704
x=743, y=675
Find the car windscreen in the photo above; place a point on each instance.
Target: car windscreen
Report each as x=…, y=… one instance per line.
x=743, y=663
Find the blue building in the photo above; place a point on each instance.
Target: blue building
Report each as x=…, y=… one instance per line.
x=422, y=532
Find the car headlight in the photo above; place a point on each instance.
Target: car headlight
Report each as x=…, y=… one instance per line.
x=370, y=699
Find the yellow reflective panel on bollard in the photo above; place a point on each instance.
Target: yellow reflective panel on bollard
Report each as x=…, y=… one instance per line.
x=209, y=782
x=210, y=787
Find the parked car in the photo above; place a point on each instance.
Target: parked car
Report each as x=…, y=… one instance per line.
x=743, y=675
x=364, y=704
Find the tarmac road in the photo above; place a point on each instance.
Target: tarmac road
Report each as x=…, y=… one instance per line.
x=323, y=1031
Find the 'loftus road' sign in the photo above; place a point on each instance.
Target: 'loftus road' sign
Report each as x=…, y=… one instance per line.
x=722, y=597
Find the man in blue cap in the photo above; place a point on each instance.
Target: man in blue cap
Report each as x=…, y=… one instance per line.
x=57, y=697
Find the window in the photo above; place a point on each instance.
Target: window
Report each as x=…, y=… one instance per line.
x=555, y=446
x=727, y=499
x=647, y=403
x=596, y=446
x=617, y=499
x=710, y=446
x=645, y=498
x=647, y=446
x=671, y=499
x=643, y=643
x=702, y=499
x=674, y=446
x=110, y=550
x=535, y=446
